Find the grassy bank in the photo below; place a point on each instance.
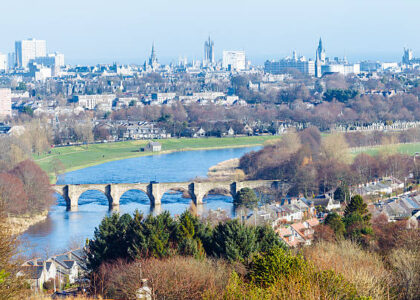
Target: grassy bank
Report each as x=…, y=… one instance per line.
x=78, y=157
x=409, y=149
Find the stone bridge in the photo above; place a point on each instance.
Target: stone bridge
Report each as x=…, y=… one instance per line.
x=155, y=191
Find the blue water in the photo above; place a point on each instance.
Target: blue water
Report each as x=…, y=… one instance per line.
x=63, y=229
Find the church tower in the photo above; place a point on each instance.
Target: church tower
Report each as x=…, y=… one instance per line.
x=319, y=59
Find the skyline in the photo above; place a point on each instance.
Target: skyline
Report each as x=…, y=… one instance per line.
x=265, y=30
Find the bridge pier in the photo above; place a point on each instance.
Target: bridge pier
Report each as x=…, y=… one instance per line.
x=71, y=196
x=197, y=192
x=112, y=192
x=155, y=194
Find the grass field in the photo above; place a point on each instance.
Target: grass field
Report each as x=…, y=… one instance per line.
x=409, y=149
x=78, y=157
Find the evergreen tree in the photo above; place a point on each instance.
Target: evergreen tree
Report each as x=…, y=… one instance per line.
x=336, y=223
x=187, y=236
x=109, y=242
x=267, y=238
x=357, y=221
x=342, y=194
x=246, y=197
x=137, y=246
x=159, y=231
x=234, y=241
x=357, y=205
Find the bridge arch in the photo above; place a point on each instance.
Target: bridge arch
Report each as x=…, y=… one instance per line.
x=97, y=194
x=137, y=193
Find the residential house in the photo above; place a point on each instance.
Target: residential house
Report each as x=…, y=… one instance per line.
x=384, y=186
x=248, y=130
x=38, y=271
x=398, y=208
x=144, y=130
x=230, y=132
x=199, y=133
x=35, y=275
x=66, y=267
x=299, y=233
x=326, y=201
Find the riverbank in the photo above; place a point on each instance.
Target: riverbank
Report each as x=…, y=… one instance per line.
x=19, y=224
x=225, y=171
x=71, y=158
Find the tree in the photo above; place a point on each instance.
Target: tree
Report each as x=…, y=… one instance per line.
x=275, y=266
x=234, y=241
x=246, y=197
x=12, y=286
x=335, y=222
x=341, y=194
x=188, y=239
x=268, y=238
x=159, y=231
x=13, y=195
x=356, y=205
x=109, y=241
x=36, y=185
x=357, y=221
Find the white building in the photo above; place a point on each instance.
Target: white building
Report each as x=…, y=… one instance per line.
x=344, y=69
x=5, y=102
x=91, y=101
x=3, y=62
x=234, y=60
x=284, y=65
x=25, y=50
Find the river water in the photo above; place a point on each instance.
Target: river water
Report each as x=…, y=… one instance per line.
x=63, y=229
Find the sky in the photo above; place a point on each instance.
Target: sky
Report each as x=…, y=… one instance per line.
x=103, y=31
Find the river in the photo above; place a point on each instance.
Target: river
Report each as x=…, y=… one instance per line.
x=63, y=230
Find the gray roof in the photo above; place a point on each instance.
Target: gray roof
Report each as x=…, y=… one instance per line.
x=154, y=144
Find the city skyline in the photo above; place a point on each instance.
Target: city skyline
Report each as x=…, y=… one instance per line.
x=264, y=30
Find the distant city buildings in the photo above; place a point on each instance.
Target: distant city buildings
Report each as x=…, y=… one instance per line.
x=26, y=50
x=209, y=59
x=324, y=65
x=152, y=64
x=294, y=63
x=234, y=60
x=5, y=102
x=408, y=58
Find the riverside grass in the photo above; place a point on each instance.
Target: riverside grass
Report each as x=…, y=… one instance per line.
x=79, y=157
x=409, y=149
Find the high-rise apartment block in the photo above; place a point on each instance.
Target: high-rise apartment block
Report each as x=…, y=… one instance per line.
x=234, y=60
x=5, y=102
x=26, y=50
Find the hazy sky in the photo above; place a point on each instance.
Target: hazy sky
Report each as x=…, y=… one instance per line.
x=103, y=31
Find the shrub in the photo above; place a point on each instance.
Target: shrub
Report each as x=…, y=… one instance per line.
x=173, y=278
x=363, y=269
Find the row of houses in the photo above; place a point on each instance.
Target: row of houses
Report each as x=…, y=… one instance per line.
x=293, y=218
x=65, y=268
x=395, y=126
x=386, y=185
x=405, y=206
